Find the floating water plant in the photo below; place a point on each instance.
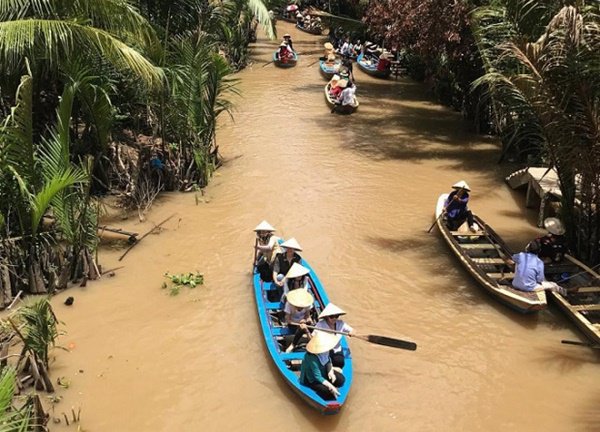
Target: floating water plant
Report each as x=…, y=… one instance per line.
x=191, y=280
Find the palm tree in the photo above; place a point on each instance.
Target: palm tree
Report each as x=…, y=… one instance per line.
x=546, y=93
x=12, y=420
x=55, y=30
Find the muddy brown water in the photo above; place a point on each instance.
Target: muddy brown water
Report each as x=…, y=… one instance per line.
x=358, y=192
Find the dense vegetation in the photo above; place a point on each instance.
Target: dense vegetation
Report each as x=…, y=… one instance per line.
x=100, y=96
x=527, y=70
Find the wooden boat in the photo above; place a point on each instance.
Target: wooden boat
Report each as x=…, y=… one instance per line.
x=285, y=64
x=341, y=109
x=328, y=70
x=483, y=253
x=275, y=335
x=582, y=302
x=371, y=69
x=313, y=31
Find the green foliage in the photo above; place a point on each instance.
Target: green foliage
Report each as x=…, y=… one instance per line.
x=40, y=327
x=11, y=420
x=191, y=280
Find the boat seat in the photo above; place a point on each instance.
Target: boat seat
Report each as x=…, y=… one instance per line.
x=588, y=307
x=292, y=356
x=477, y=246
x=467, y=234
x=493, y=261
x=273, y=305
x=584, y=290
x=506, y=275
x=281, y=331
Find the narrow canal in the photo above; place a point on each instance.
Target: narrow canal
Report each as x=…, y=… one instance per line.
x=358, y=192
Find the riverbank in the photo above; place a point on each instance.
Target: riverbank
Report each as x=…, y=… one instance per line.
x=358, y=193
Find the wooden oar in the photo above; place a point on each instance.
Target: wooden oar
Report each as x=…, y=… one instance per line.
x=316, y=61
x=255, y=253
x=375, y=339
x=585, y=344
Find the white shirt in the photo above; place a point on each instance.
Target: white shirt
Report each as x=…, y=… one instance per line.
x=339, y=326
x=344, y=48
x=347, y=96
x=296, y=315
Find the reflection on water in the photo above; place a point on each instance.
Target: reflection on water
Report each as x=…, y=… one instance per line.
x=358, y=192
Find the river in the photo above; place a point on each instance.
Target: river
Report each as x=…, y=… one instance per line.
x=358, y=192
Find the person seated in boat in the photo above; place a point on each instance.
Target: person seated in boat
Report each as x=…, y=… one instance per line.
x=529, y=271
x=297, y=314
x=294, y=279
x=329, y=319
x=334, y=88
x=339, y=91
x=300, y=19
x=347, y=95
x=357, y=49
x=384, y=62
x=284, y=260
x=372, y=52
x=284, y=53
x=328, y=50
x=307, y=21
x=345, y=46
x=287, y=38
x=347, y=65
x=317, y=371
x=456, y=209
x=330, y=61
x=553, y=246
x=267, y=246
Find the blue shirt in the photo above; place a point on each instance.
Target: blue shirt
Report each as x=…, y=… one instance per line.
x=455, y=208
x=529, y=271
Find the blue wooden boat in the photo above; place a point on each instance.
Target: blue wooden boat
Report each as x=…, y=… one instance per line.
x=371, y=69
x=288, y=364
x=284, y=64
x=328, y=70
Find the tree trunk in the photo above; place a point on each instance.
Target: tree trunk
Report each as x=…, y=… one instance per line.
x=5, y=287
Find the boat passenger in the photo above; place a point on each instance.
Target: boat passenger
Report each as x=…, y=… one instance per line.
x=284, y=53
x=299, y=19
x=529, y=271
x=297, y=309
x=328, y=50
x=284, y=260
x=329, y=319
x=316, y=371
x=345, y=47
x=347, y=96
x=267, y=246
x=330, y=59
x=337, y=92
x=553, y=245
x=456, y=209
x=295, y=278
x=357, y=48
x=347, y=64
x=287, y=38
x=384, y=62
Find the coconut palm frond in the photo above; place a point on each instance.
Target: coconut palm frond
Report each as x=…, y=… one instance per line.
x=40, y=327
x=11, y=419
x=261, y=14
x=58, y=39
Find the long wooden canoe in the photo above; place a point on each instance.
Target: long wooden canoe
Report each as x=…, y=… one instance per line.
x=582, y=302
x=371, y=69
x=313, y=31
x=275, y=336
x=341, y=109
x=482, y=253
x=287, y=63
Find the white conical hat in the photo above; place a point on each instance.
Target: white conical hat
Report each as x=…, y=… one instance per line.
x=331, y=309
x=328, y=46
x=264, y=226
x=322, y=342
x=300, y=298
x=554, y=226
x=297, y=270
x=461, y=185
x=291, y=244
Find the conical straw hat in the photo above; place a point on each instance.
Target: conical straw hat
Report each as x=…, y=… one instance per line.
x=461, y=185
x=330, y=310
x=297, y=270
x=342, y=83
x=264, y=226
x=328, y=46
x=554, y=226
x=322, y=342
x=291, y=244
x=300, y=298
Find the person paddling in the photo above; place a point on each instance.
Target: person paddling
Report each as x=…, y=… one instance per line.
x=287, y=39
x=317, y=370
x=267, y=245
x=329, y=319
x=456, y=209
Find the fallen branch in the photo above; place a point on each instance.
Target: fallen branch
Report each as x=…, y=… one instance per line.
x=145, y=235
x=16, y=299
x=112, y=270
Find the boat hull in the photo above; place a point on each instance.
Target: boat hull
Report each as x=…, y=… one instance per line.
x=482, y=254
x=328, y=71
x=272, y=333
x=582, y=302
x=311, y=31
x=370, y=69
x=340, y=109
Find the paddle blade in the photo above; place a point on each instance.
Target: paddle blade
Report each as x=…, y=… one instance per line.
x=585, y=344
x=391, y=342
